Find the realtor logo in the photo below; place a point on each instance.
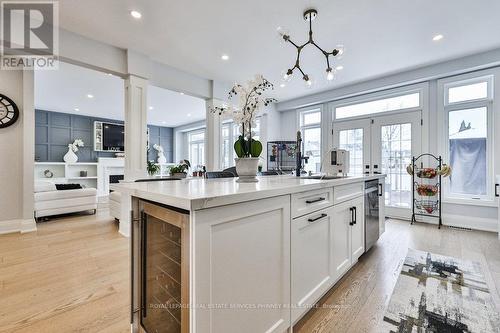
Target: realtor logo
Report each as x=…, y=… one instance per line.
x=30, y=35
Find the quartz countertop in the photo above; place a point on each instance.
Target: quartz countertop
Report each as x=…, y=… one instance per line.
x=194, y=194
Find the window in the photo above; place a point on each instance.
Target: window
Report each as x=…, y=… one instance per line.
x=352, y=141
x=468, y=132
x=196, y=146
x=402, y=102
x=396, y=155
x=310, y=127
x=229, y=134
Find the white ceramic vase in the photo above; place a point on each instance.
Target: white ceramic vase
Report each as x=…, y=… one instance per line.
x=246, y=168
x=161, y=158
x=70, y=156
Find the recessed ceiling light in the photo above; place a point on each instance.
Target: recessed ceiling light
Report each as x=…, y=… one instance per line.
x=109, y=74
x=189, y=114
x=151, y=108
x=224, y=57
x=76, y=109
x=163, y=122
x=282, y=85
x=339, y=68
x=90, y=96
x=181, y=93
x=135, y=14
x=437, y=37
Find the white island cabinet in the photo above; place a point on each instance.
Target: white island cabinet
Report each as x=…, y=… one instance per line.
x=218, y=256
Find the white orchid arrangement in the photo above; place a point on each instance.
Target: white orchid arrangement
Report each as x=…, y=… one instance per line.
x=158, y=148
x=77, y=143
x=250, y=102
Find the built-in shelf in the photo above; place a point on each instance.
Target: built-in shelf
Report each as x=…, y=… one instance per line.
x=68, y=172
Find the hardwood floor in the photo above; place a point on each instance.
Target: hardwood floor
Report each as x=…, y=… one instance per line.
x=357, y=303
x=72, y=275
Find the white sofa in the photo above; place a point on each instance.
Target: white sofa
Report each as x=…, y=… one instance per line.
x=115, y=201
x=49, y=201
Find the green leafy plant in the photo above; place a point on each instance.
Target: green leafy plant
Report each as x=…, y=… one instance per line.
x=182, y=167
x=247, y=148
x=153, y=168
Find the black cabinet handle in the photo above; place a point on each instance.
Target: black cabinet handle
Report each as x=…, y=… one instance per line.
x=351, y=209
x=355, y=215
x=317, y=218
x=380, y=190
x=315, y=200
x=496, y=190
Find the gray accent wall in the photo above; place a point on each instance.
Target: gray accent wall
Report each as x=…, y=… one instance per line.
x=54, y=131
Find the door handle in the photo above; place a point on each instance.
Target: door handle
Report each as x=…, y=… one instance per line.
x=351, y=209
x=496, y=190
x=317, y=218
x=315, y=200
x=355, y=213
x=380, y=189
x=132, y=282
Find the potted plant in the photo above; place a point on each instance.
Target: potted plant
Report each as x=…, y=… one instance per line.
x=153, y=168
x=180, y=170
x=70, y=156
x=251, y=100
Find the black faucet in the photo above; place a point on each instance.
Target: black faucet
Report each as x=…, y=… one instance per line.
x=299, y=157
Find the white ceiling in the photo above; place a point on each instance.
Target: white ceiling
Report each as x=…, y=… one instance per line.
x=66, y=89
x=381, y=37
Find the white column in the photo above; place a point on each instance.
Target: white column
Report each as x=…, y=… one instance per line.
x=135, y=127
x=28, y=123
x=212, y=136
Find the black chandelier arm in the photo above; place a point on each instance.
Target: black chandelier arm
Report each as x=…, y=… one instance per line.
x=291, y=42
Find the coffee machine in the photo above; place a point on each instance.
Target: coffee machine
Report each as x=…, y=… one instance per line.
x=338, y=162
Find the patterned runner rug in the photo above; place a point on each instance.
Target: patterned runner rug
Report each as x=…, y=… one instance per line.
x=440, y=294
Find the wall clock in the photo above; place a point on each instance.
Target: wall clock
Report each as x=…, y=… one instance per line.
x=8, y=111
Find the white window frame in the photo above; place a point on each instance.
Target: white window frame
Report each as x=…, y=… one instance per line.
x=314, y=109
x=189, y=143
x=385, y=94
x=443, y=109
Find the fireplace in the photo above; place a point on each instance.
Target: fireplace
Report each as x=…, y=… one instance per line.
x=115, y=179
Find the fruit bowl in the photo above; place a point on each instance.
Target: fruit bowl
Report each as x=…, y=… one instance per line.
x=428, y=173
x=428, y=205
x=427, y=190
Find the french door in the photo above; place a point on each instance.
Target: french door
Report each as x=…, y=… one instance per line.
x=384, y=144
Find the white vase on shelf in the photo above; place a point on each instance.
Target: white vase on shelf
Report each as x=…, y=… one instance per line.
x=70, y=156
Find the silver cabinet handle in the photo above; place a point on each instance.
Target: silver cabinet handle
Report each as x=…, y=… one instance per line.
x=317, y=218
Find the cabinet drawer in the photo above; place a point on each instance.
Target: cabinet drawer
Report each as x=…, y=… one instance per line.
x=347, y=192
x=307, y=202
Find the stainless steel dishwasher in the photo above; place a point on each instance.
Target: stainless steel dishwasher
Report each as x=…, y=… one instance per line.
x=371, y=213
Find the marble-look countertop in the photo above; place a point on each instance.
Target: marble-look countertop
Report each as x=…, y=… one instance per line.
x=194, y=194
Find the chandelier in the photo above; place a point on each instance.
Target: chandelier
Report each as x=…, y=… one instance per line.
x=309, y=15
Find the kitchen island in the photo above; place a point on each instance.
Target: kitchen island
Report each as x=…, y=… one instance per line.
x=214, y=255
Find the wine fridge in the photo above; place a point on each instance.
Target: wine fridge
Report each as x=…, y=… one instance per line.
x=160, y=269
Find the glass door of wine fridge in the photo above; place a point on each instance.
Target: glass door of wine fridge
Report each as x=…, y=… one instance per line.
x=163, y=288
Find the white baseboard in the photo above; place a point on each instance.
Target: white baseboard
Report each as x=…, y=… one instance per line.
x=19, y=225
x=460, y=221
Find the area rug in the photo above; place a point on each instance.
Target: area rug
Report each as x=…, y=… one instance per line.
x=435, y=293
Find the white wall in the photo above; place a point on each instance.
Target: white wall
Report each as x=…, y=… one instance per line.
x=17, y=155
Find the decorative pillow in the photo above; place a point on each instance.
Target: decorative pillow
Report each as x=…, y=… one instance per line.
x=44, y=186
x=63, y=187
